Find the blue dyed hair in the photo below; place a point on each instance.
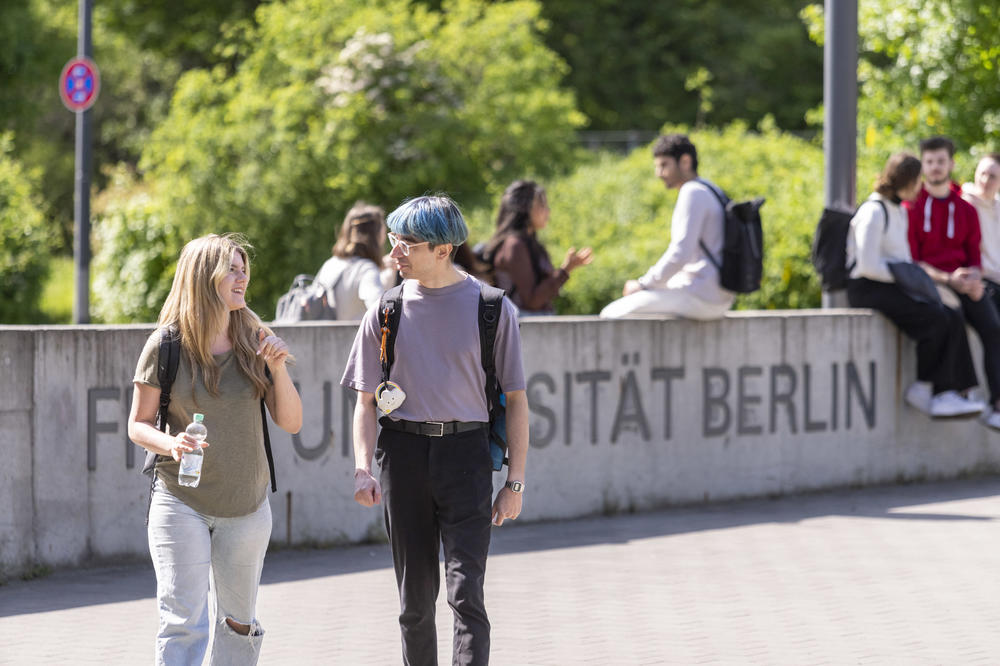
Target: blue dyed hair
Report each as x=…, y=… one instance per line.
x=436, y=219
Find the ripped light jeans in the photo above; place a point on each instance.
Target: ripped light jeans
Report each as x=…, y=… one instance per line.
x=198, y=558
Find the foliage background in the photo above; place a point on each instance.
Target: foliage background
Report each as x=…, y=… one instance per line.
x=926, y=67
x=25, y=240
x=237, y=114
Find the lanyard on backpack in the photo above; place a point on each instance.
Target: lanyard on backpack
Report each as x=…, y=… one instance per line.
x=388, y=395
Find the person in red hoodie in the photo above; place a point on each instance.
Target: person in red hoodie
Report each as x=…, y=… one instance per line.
x=944, y=239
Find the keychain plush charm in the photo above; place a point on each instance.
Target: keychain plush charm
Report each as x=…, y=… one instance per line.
x=388, y=396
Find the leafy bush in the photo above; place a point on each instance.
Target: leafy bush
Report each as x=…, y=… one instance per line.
x=334, y=102
x=135, y=252
x=25, y=240
x=616, y=205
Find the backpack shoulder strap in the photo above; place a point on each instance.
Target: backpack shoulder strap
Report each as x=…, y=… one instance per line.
x=490, y=303
x=267, y=437
x=722, y=202
x=885, y=212
x=166, y=370
x=719, y=194
x=390, y=309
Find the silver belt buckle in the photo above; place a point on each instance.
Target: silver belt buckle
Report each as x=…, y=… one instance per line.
x=439, y=433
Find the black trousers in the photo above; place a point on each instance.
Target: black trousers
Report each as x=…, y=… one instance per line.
x=438, y=492
x=943, y=356
x=984, y=316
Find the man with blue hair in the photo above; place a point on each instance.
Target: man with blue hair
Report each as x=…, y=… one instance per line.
x=433, y=451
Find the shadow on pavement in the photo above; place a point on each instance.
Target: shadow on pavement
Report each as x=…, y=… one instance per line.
x=87, y=587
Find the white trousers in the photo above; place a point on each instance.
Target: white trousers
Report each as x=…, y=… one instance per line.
x=677, y=302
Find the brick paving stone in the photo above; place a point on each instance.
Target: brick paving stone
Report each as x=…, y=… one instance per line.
x=886, y=575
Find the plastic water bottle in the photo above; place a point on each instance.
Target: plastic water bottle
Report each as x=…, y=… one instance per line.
x=190, y=472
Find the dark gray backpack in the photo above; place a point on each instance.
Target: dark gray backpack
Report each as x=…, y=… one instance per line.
x=306, y=300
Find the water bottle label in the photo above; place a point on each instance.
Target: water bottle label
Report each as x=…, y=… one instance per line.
x=191, y=465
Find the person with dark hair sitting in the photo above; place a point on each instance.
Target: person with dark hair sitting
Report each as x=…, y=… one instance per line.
x=520, y=262
x=877, y=240
x=685, y=281
x=352, y=275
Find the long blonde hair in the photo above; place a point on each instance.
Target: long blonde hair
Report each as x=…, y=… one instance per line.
x=196, y=310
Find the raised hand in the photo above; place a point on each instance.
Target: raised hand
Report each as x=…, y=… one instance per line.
x=272, y=349
x=575, y=259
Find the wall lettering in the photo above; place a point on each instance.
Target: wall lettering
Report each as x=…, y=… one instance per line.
x=630, y=401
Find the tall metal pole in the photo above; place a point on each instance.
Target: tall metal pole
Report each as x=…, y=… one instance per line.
x=840, y=108
x=81, y=184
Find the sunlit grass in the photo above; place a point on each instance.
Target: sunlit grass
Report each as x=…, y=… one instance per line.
x=57, y=296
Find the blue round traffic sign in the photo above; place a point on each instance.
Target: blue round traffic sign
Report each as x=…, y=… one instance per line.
x=79, y=84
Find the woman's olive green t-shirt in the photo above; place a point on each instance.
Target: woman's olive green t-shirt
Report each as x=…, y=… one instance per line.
x=234, y=474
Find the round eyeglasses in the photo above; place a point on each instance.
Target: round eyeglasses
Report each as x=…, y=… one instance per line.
x=395, y=240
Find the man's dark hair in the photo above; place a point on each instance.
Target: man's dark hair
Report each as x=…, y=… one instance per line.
x=675, y=145
x=937, y=143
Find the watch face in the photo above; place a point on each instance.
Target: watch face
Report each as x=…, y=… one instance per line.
x=516, y=486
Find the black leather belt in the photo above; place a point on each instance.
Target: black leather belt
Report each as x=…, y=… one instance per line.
x=432, y=428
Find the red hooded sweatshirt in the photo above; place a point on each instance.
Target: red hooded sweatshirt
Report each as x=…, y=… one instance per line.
x=944, y=232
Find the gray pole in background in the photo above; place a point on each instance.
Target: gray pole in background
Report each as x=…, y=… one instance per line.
x=81, y=184
x=840, y=108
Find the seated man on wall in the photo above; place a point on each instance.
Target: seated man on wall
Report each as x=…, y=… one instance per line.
x=944, y=239
x=685, y=281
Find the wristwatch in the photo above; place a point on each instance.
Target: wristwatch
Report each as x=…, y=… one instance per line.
x=515, y=486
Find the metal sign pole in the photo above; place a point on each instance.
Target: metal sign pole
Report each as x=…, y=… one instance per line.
x=840, y=109
x=81, y=191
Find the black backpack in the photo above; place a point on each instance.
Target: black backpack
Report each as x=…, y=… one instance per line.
x=742, y=263
x=306, y=300
x=490, y=299
x=829, y=250
x=166, y=373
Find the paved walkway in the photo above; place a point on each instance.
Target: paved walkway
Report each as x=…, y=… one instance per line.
x=891, y=575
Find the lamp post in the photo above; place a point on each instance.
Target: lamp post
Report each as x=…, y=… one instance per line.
x=81, y=180
x=840, y=114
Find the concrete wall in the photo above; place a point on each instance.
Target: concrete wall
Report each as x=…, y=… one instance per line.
x=625, y=415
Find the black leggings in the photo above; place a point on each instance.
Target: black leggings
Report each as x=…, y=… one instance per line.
x=983, y=315
x=943, y=356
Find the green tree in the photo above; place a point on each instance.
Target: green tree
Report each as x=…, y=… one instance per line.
x=927, y=67
x=334, y=102
x=25, y=241
x=630, y=60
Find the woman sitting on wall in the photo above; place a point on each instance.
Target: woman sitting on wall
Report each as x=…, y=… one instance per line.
x=352, y=275
x=883, y=277
x=520, y=263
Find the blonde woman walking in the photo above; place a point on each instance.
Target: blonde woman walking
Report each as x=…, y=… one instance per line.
x=208, y=542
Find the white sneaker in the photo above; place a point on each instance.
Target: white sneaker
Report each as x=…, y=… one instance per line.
x=950, y=403
x=993, y=420
x=918, y=395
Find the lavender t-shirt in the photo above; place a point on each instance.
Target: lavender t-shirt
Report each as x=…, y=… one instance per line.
x=437, y=357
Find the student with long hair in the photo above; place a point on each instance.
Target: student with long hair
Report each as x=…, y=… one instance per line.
x=353, y=274
x=879, y=238
x=208, y=542
x=520, y=262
